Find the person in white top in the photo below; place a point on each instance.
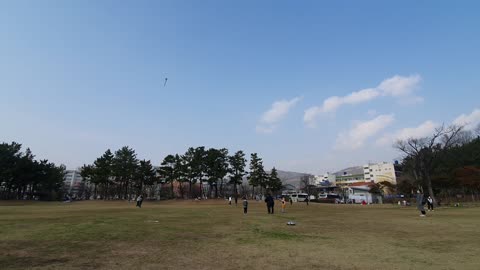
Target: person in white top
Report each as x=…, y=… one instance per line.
x=139, y=201
x=230, y=200
x=430, y=203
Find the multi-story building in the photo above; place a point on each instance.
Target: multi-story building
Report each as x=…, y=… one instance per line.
x=349, y=176
x=380, y=172
x=373, y=172
x=73, y=182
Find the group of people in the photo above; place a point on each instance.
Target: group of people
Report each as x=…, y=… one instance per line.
x=269, y=200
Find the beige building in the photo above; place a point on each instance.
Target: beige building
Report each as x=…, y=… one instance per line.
x=380, y=172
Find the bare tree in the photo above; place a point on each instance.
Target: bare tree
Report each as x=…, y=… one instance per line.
x=306, y=185
x=423, y=152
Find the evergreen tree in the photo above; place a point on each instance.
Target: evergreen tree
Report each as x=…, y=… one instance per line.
x=146, y=175
x=125, y=165
x=274, y=182
x=216, y=167
x=237, y=169
x=257, y=175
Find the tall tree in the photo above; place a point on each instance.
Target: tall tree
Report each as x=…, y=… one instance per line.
x=423, y=153
x=274, y=182
x=88, y=175
x=124, y=167
x=10, y=154
x=146, y=175
x=257, y=175
x=216, y=167
x=169, y=170
x=199, y=166
x=189, y=169
x=237, y=169
x=21, y=176
x=103, y=171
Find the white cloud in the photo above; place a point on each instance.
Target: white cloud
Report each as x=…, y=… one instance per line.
x=275, y=114
x=470, y=121
x=399, y=85
x=356, y=137
x=425, y=129
x=331, y=104
x=396, y=86
x=361, y=96
x=310, y=115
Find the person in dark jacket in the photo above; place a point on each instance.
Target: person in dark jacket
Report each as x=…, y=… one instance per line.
x=245, y=205
x=270, y=203
x=420, y=203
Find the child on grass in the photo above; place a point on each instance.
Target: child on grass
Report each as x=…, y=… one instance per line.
x=284, y=204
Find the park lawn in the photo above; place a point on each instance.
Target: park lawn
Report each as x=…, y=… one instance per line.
x=213, y=235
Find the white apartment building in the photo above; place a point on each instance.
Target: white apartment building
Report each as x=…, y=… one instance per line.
x=379, y=172
x=72, y=181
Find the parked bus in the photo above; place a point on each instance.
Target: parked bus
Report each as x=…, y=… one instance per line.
x=329, y=198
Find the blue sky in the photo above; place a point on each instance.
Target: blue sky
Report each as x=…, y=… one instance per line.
x=78, y=77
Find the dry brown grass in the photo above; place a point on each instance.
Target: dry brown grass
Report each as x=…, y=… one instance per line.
x=213, y=235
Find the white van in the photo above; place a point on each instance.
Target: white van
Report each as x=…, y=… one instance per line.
x=296, y=196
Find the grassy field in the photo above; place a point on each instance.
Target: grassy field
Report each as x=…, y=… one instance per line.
x=213, y=235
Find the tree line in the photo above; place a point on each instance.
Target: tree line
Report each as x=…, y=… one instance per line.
x=444, y=165
x=199, y=172
x=24, y=177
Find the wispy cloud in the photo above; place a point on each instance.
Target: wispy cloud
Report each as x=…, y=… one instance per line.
x=397, y=86
x=361, y=131
x=425, y=129
x=277, y=112
x=470, y=121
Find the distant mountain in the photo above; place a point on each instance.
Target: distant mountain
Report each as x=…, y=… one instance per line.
x=350, y=171
x=292, y=178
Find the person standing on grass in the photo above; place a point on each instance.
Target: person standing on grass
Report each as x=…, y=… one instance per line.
x=270, y=203
x=284, y=204
x=139, y=201
x=420, y=203
x=245, y=205
x=291, y=200
x=236, y=200
x=430, y=203
x=230, y=200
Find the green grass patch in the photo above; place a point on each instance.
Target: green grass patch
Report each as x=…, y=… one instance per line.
x=213, y=235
